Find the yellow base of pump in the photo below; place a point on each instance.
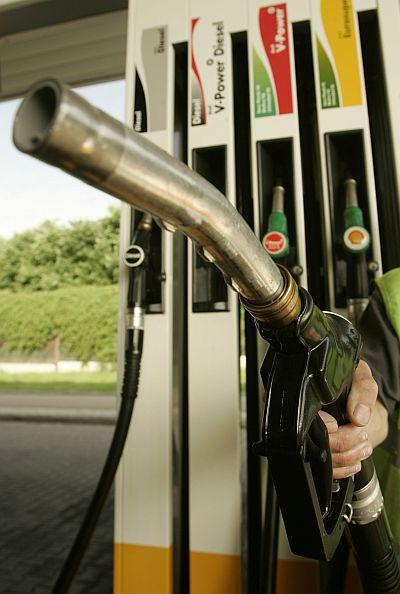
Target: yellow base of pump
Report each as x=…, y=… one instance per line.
x=148, y=570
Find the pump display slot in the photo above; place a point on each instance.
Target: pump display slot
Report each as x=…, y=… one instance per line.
x=345, y=159
x=275, y=168
x=251, y=478
x=210, y=293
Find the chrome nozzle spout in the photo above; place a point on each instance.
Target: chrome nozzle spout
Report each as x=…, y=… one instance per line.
x=351, y=192
x=58, y=126
x=278, y=199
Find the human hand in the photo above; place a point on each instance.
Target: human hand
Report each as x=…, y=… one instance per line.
x=367, y=426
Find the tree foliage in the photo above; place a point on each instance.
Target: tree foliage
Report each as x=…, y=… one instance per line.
x=54, y=256
x=85, y=319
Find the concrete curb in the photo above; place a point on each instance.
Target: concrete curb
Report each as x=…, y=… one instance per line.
x=58, y=415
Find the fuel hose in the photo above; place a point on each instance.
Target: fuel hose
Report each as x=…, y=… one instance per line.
x=371, y=535
x=129, y=392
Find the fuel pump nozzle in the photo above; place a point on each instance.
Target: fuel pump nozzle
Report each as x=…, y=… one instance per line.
x=313, y=355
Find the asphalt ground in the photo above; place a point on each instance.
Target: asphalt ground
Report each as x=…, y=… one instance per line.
x=48, y=471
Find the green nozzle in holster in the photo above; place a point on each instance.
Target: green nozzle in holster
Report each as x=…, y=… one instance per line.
x=276, y=240
x=356, y=238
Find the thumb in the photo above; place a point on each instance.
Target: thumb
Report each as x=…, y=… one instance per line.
x=362, y=397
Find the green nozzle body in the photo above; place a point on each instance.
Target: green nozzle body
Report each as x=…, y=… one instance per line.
x=276, y=240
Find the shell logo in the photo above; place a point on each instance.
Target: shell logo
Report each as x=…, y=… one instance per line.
x=356, y=239
x=274, y=242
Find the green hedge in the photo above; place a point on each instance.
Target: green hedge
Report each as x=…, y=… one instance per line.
x=53, y=256
x=85, y=319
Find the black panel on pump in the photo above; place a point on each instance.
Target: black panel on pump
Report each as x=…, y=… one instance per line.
x=345, y=159
x=210, y=293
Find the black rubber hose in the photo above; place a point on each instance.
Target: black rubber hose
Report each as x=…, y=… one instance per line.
x=376, y=558
x=373, y=546
x=128, y=395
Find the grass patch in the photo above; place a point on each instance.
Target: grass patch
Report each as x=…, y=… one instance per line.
x=72, y=382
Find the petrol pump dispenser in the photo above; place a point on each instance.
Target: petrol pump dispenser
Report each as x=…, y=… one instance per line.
x=150, y=536
x=277, y=185
x=276, y=138
x=343, y=129
x=213, y=312
x=352, y=112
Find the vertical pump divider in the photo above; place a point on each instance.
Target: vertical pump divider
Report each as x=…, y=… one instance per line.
x=249, y=385
x=311, y=165
x=376, y=33
x=213, y=318
x=180, y=461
